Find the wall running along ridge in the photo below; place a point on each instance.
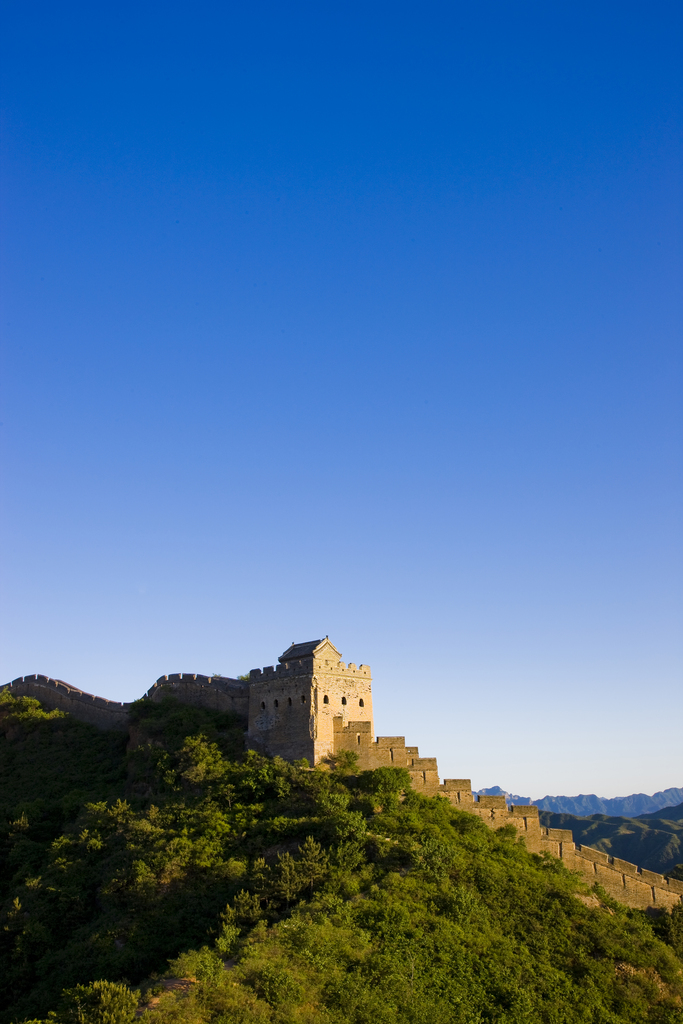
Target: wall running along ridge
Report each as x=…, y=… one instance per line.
x=314, y=706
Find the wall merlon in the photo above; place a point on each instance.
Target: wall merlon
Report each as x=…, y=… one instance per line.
x=560, y=835
x=597, y=856
x=623, y=865
x=674, y=885
x=464, y=784
x=424, y=764
x=652, y=878
x=524, y=811
x=491, y=801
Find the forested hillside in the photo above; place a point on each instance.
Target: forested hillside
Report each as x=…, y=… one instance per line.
x=284, y=894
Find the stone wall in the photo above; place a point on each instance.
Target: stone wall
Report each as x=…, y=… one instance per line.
x=316, y=706
x=219, y=693
x=625, y=882
x=54, y=693
x=633, y=886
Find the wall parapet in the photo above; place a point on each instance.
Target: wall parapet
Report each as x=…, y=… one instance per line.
x=305, y=666
x=624, y=867
x=55, y=693
x=305, y=722
x=221, y=693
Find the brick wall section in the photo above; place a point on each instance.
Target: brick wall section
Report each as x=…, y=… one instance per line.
x=315, y=707
x=625, y=882
x=54, y=693
x=216, y=692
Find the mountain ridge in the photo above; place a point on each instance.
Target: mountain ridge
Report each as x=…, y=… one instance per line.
x=632, y=806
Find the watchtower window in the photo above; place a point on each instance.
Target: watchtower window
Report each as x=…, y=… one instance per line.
x=358, y=738
x=289, y=701
x=361, y=703
x=303, y=699
x=326, y=699
x=276, y=703
x=343, y=700
x=263, y=705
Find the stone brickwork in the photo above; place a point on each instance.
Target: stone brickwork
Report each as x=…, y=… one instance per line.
x=294, y=705
x=216, y=692
x=312, y=705
x=53, y=693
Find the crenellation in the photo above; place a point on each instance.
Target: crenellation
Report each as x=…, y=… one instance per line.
x=56, y=694
x=485, y=800
x=313, y=705
x=560, y=835
x=652, y=877
x=589, y=853
x=624, y=866
x=523, y=810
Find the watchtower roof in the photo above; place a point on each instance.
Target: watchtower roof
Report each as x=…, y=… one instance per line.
x=306, y=650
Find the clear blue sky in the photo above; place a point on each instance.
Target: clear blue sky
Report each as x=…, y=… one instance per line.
x=360, y=320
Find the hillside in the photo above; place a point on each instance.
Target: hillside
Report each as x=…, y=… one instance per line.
x=649, y=840
x=281, y=893
x=666, y=813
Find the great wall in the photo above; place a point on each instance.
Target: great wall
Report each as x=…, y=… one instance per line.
x=312, y=705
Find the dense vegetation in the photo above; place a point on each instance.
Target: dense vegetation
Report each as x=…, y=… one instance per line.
x=286, y=894
x=653, y=841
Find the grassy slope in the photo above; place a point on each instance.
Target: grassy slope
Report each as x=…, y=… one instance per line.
x=650, y=841
x=339, y=902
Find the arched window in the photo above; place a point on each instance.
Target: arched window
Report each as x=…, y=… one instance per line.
x=303, y=698
x=361, y=703
x=263, y=705
x=289, y=701
x=358, y=738
x=326, y=699
x=343, y=700
x=276, y=703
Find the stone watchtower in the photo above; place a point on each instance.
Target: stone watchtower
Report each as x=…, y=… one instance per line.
x=292, y=706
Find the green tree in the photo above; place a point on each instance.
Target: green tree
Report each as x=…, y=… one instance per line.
x=312, y=863
x=288, y=880
x=102, y=1002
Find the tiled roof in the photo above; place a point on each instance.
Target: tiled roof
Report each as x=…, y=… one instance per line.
x=296, y=651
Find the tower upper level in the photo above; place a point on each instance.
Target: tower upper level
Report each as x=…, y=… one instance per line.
x=294, y=703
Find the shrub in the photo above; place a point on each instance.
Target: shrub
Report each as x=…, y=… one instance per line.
x=102, y=1002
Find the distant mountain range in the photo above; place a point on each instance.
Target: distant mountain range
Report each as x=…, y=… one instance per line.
x=645, y=830
x=631, y=806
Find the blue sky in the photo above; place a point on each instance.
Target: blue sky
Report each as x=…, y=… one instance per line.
x=360, y=320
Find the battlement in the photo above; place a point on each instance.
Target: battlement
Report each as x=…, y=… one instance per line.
x=55, y=693
x=624, y=867
x=306, y=666
x=313, y=705
x=626, y=882
x=220, y=693
x=491, y=801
